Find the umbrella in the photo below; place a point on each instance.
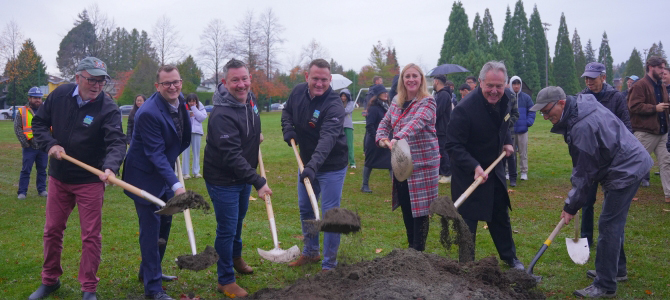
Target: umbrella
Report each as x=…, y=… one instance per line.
x=446, y=69
x=339, y=82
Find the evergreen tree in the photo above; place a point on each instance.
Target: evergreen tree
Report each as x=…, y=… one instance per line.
x=564, y=60
x=141, y=82
x=487, y=32
x=476, y=28
x=507, y=33
x=580, y=58
x=589, y=52
x=634, y=66
x=76, y=45
x=458, y=37
x=605, y=57
x=25, y=71
x=656, y=50
x=537, y=34
x=522, y=48
x=190, y=74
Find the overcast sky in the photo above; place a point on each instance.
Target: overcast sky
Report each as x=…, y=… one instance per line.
x=349, y=28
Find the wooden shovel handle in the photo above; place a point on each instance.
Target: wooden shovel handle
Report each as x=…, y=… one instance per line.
x=555, y=232
x=308, y=184
x=126, y=186
x=478, y=181
x=268, y=203
x=187, y=212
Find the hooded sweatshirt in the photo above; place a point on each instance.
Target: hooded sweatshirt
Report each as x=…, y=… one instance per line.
x=523, y=103
x=348, y=109
x=233, y=140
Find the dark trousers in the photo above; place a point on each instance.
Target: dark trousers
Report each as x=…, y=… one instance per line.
x=40, y=159
x=587, y=215
x=445, y=165
x=511, y=163
x=499, y=226
x=152, y=227
x=417, y=228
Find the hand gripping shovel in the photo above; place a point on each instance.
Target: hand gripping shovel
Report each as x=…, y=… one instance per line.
x=175, y=205
x=544, y=247
x=338, y=220
x=193, y=261
x=277, y=254
x=578, y=248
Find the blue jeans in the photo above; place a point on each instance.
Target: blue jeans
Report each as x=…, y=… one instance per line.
x=329, y=186
x=610, y=256
x=40, y=159
x=230, y=206
x=196, y=139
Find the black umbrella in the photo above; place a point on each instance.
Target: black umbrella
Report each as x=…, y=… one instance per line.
x=446, y=69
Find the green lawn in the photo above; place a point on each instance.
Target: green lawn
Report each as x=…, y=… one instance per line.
x=536, y=203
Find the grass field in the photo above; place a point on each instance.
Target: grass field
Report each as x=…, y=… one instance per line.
x=536, y=203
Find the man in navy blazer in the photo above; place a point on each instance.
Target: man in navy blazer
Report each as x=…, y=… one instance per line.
x=162, y=132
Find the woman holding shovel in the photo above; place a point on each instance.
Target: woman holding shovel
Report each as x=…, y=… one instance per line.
x=375, y=157
x=411, y=117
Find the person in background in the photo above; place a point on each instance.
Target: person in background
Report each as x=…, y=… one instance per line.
x=443, y=113
x=510, y=161
x=30, y=149
x=198, y=115
x=464, y=90
x=375, y=157
x=394, y=87
x=630, y=80
x=375, y=80
x=472, y=82
x=411, y=117
x=452, y=90
x=525, y=121
x=139, y=100
x=349, y=106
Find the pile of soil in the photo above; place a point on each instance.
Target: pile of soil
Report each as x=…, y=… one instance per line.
x=410, y=274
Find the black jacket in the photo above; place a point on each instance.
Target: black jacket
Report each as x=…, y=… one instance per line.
x=615, y=101
x=475, y=137
x=318, y=124
x=375, y=157
x=91, y=133
x=233, y=140
x=443, y=112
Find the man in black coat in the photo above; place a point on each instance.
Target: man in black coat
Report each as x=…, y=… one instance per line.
x=477, y=134
x=443, y=113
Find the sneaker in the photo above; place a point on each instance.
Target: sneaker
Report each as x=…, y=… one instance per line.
x=197, y=175
x=524, y=176
x=515, y=264
x=592, y=274
x=592, y=291
x=644, y=183
x=352, y=166
x=44, y=193
x=303, y=260
x=512, y=182
x=22, y=197
x=445, y=179
x=187, y=176
x=506, y=176
x=160, y=296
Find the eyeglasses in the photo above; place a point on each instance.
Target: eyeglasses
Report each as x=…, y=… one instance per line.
x=176, y=83
x=547, y=112
x=93, y=81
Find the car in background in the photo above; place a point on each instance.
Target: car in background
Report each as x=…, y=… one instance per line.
x=209, y=108
x=125, y=109
x=8, y=113
x=276, y=106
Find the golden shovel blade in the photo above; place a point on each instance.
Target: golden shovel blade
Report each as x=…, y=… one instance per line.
x=578, y=249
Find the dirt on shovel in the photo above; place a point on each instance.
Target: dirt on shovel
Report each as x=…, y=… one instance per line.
x=199, y=261
x=451, y=219
x=337, y=220
x=179, y=203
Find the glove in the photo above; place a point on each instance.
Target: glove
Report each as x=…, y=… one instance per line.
x=307, y=172
x=288, y=136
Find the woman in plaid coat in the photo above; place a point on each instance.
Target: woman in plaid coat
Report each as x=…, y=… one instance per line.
x=412, y=117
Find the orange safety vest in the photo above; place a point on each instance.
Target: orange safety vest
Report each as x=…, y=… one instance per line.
x=27, y=117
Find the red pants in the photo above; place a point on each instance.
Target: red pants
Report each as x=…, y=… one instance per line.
x=61, y=200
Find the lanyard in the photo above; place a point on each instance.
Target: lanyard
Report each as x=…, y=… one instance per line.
x=403, y=114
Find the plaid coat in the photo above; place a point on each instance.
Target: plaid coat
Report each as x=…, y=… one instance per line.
x=418, y=128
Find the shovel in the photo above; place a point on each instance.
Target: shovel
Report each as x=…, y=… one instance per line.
x=277, y=254
x=175, y=205
x=544, y=247
x=401, y=159
x=337, y=220
x=578, y=248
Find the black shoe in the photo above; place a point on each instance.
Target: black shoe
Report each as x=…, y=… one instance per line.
x=592, y=274
x=366, y=189
x=163, y=277
x=44, y=290
x=592, y=291
x=515, y=264
x=160, y=296
x=89, y=296
x=512, y=182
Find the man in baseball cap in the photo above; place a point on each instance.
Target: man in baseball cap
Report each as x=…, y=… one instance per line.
x=93, y=66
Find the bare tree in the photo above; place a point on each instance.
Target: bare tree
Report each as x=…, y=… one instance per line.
x=215, y=46
x=312, y=51
x=104, y=26
x=247, y=41
x=10, y=43
x=270, y=31
x=166, y=41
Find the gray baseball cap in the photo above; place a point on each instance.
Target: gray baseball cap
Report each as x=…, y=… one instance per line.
x=593, y=70
x=548, y=95
x=93, y=66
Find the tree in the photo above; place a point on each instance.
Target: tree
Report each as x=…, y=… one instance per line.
x=247, y=41
x=487, y=38
x=537, y=34
x=634, y=66
x=564, y=61
x=190, y=74
x=166, y=41
x=25, y=71
x=458, y=37
x=312, y=51
x=476, y=27
x=521, y=46
x=10, y=42
x=656, y=50
x=77, y=44
x=580, y=58
x=336, y=68
x=589, y=52
x=605, y=57
x=141, y=81
x=214, y=46
x=270, y=36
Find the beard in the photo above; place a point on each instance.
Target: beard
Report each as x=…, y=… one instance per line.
x=656, y=75
x=34, y=106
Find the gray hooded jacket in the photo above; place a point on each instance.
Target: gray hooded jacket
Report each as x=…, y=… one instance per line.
x=348, y=109
x=602, y=148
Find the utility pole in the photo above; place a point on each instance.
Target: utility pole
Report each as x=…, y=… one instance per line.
x=546, y=57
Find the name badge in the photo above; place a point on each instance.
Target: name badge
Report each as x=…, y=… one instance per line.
x=506, y=117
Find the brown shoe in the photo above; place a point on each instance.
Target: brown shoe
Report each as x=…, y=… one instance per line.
x=232, y=290
x=303, y=260
x=241, y=267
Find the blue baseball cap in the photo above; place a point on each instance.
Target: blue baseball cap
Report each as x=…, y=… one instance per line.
x=35, y=92
x=634, y=77
x=594, y=70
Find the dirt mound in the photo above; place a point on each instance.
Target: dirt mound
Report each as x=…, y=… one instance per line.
x=410, y=274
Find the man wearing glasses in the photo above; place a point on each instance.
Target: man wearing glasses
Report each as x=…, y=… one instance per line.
x=162, y=131
x=604, y=152
x=80, y=121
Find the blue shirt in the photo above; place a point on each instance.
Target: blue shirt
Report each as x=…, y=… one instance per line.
x=658, y=91
x=80, y=101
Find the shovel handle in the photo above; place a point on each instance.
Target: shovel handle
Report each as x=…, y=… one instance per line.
x=126, y=186
x=268, y=203
x=545, y=245
x=478, y=181
x=187, y=212
x=308, y=184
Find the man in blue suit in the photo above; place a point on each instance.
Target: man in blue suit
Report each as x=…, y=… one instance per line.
x=162, y=131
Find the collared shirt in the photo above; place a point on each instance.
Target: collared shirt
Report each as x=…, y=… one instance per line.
x=81, y=102
x=658, y=91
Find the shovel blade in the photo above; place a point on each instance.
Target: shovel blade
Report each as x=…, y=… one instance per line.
x=280, y=256
x=401, y=160
x=578, y=249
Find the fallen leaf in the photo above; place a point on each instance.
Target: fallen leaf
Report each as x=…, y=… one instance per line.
x=379, y=250
x=373, y=229
x=387, y=200
x=558, y=197
x=352, y=173
x=635, y=199
x=511, y=191
x=486, y=227
x=648, y=292
x=267, y=171
x=299, y=237
x=251, y=198
x=515, y=231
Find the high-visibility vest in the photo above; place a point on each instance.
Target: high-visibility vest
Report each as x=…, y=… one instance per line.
x=27, y=116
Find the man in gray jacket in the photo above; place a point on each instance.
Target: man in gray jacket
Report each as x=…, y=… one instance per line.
x=603, y=151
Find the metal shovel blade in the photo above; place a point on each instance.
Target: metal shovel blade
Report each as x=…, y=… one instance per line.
x=280, y=256
x=401, y=160
x=578, y=249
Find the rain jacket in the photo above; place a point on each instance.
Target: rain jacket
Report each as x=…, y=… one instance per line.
x=603, y=150
x=523, y=103
x=348, y=109
x=199, y=116
x=613, y=100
